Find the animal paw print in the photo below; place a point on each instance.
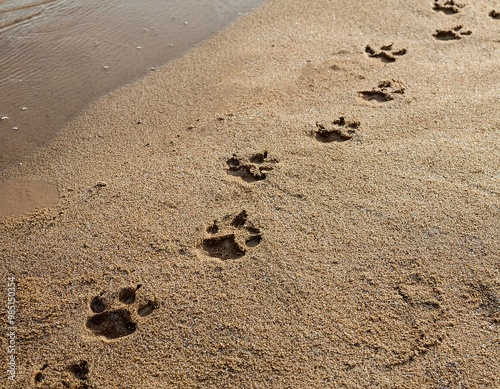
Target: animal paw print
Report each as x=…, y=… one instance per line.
x=118, y=322
x=79, y=372
x=231, y=238
x=447, y=6
x=385, y=91
x=386, y=53
x=251, y=170
x=454, y=33
x=494, y=14
x=74, y=376
x=339, y=130
x=486, y=300
x=40, y=375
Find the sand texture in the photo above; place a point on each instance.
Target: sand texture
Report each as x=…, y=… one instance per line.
x=308, y=200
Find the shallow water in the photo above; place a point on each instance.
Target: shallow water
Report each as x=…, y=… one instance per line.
x=57, y=56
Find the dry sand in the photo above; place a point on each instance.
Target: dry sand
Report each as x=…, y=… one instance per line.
x=368, y=261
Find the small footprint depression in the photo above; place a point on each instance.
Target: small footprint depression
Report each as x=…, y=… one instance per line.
x=340, y=130
x=223, y=247
x=39, y=376
x=385, y=91
x=111, y=321
x=231, y=238
x=112, y=324
x=80, y=370
x=127, y=295
x=240, y=219
x=253, y=241
x=147, y=309
x=452, y=34
x=97, y=305
x=386, y=53
x=258, y=158
x=327, y=136
x=449, y=7
x=253, y=169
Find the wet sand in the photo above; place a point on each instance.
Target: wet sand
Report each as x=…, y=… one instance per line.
x=308, y=200
x=57, y=56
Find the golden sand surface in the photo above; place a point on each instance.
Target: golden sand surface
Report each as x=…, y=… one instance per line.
x=308, y=200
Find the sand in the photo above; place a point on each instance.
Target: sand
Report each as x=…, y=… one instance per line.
x=282, y=207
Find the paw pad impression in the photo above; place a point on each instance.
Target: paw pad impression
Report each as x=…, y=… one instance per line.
x=386, y=53
x=386, y=91
x=231, y=238
x=120, y=321
x=252, y=169
x=447, y=6
x=339, y=130
x=454, y=33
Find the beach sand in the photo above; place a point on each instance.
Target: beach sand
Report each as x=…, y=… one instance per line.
x=282, y=207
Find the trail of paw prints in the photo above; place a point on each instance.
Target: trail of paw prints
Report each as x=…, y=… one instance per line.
x=385, y=53
x=252, y=169
x=339, y=130
x=452, y=34
x=116, y=320
x=385, y=91
x=231, y=238
x=448, y=7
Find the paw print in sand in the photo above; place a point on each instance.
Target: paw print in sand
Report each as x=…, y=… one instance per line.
x=75, y=376
x=447, y=6
x=454, y=33
x=386, y=91
x=231, y=238
x=252, y=169
x=115, y=320
x=339, y=130
x=386, y=53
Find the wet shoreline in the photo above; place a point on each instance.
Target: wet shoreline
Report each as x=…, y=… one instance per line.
x=59, y=56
